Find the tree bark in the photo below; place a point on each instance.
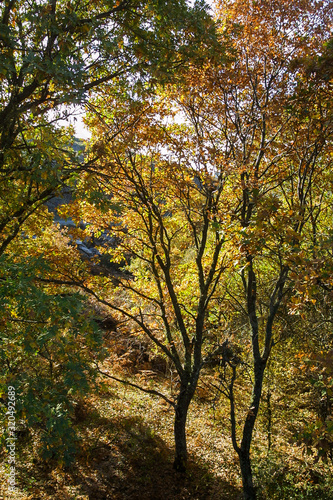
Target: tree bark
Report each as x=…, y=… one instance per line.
x=183, y=403
x=249, y=491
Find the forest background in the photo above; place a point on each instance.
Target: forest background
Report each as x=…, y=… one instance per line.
x=166, y=287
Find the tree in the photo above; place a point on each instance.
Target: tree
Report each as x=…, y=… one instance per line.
x=160, y=202
x=278, y=148
x=269, y=150
x=255, y=133
x=47, y=342
x=54, y=53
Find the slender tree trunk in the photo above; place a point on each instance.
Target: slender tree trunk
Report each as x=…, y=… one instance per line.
x=249, y=492
x=183, y=403
x=269, y=421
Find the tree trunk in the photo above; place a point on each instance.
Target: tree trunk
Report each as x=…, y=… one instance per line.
x=183, y=403
x=249, y=492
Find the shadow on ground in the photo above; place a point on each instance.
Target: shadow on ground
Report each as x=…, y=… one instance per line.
x=127, y=462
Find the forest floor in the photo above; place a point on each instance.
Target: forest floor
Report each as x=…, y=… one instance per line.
x=126, y=451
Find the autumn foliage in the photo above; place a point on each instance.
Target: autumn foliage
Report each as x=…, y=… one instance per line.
x=204, y=204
